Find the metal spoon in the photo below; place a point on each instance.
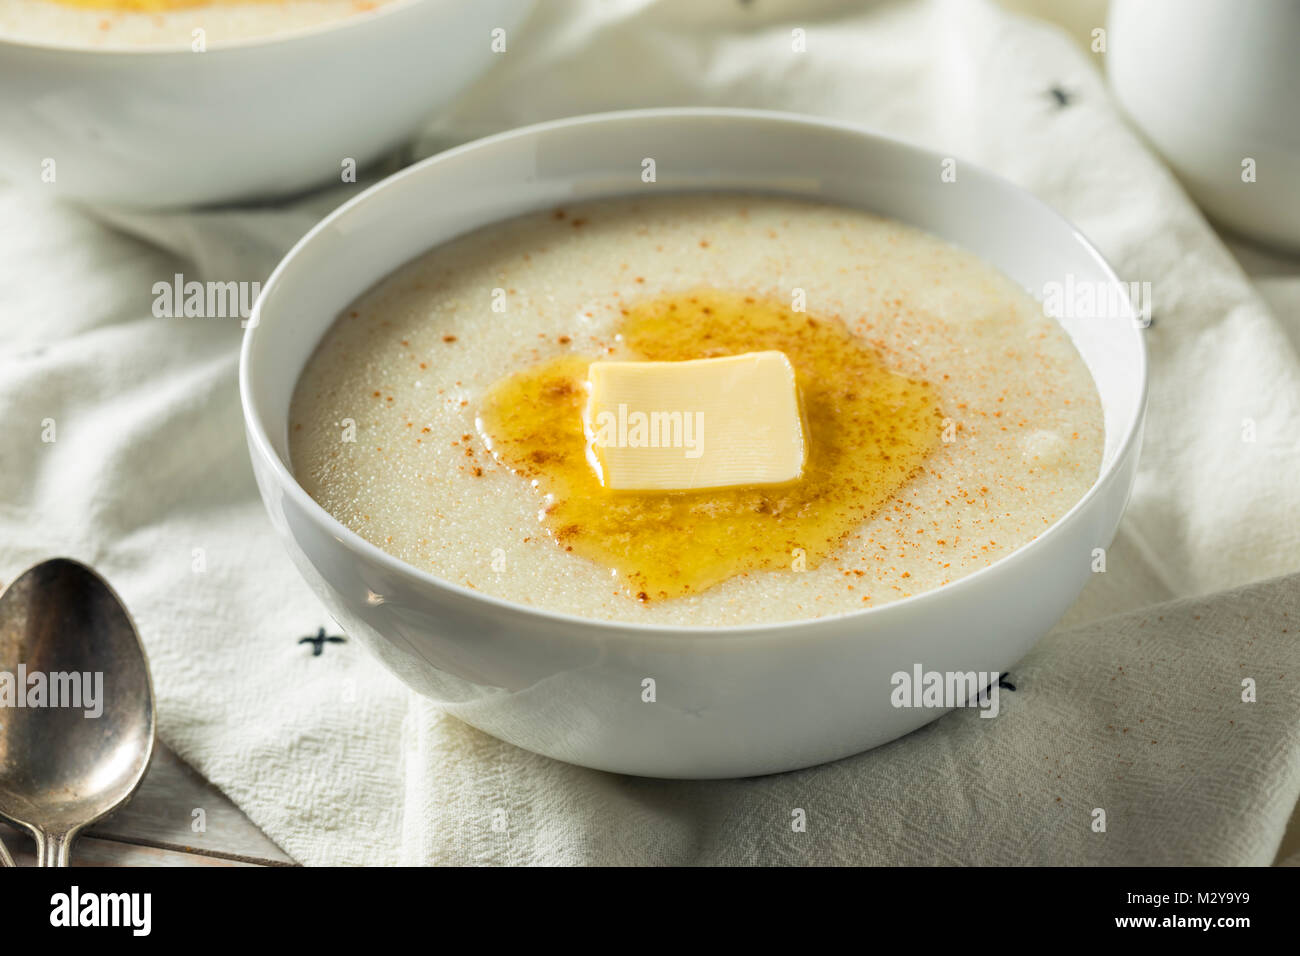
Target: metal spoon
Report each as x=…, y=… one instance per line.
x=62, y=767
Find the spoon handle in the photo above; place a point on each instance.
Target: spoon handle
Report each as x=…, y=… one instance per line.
x=52, y=849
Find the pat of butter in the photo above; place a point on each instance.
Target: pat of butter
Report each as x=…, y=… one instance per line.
x=704, y=423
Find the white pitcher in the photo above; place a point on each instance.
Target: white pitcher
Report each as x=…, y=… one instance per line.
x=1215, y=87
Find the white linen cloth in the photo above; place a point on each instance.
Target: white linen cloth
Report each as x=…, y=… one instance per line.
x=1131, y=705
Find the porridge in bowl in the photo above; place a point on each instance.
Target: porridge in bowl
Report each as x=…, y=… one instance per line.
x=448, y=416
x=129, y=24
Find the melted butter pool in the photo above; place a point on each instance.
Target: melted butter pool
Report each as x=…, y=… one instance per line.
x=868, y=431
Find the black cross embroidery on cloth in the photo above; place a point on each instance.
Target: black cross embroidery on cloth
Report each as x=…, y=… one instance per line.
x=1061, y=96
x=319, y=641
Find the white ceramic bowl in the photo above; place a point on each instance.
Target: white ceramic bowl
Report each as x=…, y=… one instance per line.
x=732, y=701
x=157, y=127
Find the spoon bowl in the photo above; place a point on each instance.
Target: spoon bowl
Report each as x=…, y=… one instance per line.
x=77, y=728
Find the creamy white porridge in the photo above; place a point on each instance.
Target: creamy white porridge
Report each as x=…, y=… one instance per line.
x=387, y=420
x=127, y=24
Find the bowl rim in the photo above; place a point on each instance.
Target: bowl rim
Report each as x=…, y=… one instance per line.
x=261, y=444
x=163, y=50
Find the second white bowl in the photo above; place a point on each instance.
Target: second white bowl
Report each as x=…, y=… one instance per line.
x=259, y=119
